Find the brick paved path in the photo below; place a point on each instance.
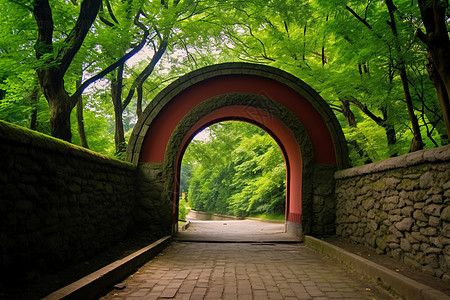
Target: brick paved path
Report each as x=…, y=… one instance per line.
x=187, y=270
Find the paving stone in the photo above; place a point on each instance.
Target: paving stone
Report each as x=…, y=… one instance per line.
x=188, y=270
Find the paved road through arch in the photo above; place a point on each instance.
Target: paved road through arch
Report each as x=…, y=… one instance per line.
x=231, y=270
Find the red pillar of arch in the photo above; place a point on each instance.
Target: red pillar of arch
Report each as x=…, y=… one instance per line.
x=160, y=130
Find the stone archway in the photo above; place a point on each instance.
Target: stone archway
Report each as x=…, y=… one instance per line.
x=295, y=115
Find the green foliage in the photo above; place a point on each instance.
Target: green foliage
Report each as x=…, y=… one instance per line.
x=183, y=210
x=237, y=169
x=344, y=58
x=321, y=42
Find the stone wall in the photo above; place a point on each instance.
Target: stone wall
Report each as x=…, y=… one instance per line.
x=324, y=201
x=155, y=215
x=59, y=203
x=400, y=207
x=206, y=216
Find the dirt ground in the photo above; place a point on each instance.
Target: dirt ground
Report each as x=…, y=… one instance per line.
x=391, y=263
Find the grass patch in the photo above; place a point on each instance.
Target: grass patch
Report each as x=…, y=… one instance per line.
x=270, y=217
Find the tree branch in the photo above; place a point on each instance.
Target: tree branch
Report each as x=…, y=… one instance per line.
x=147, y=71
x=366, y=111
x=102, y=74
x=110, y=11
x=358, y=17
x=44, y=19
x=88, y=12
x=106, y=22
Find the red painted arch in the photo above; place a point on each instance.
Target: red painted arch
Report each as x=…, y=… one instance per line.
x=161, y=128
x=172, y=113
x=278, y=130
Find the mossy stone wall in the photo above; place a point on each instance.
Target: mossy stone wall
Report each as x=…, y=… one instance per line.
x=400, y=207
x=59, y=203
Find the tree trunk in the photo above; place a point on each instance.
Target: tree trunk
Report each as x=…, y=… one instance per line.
x=389, y=129
x=444, y=104
x=34, y=98
x=59, y=103
x=80, y=119
x=438, y=43
x=51, y=79
x=348, y=114
x=351, y=121
x=116, y=93
x=139, y=100
x=417, y=143
x=442, y=93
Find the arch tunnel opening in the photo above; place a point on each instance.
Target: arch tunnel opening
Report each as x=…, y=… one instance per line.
x=235, y=168
x=277, y=130
x=298, y=117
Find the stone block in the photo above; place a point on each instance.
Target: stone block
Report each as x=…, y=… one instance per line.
x=419, y=237
x=389, y=206
x=397, y=253
x=372, y=225
x=405, y=245
x=421, y=224
x=405, y=224
x=419, y=205
x=445, y=232
x=391, y=182
x=393, y=246
x=397, y=211
x=433, y=210
x=371, y=214
x=392, y=238
x=428, y=231
x=407, y=211
x=378, y=186
x=436, y=241
x=381, y=244
x=419, y=196
x=432, y=260
x=435, y=190
x=395, y=218
x=445, y=215
x=446, y=184
x=392, y=199
x=419, y=215
x=408, y=185
x=427, y=180
x=434, y=221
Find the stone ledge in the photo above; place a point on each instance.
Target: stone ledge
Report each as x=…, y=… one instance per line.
x=25, y=136
x=439, y=154
x=91, y=285
x=390, y=280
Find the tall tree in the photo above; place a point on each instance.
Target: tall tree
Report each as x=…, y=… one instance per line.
x=417, y=143
x=56, y=60
x=435, y=16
